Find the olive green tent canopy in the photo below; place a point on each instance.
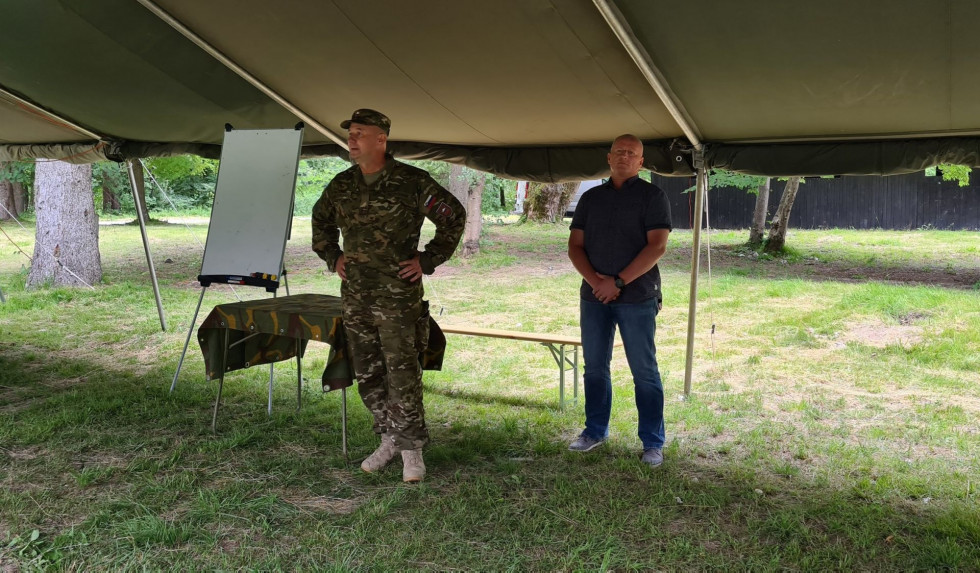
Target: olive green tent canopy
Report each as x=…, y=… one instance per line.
x=531, y=89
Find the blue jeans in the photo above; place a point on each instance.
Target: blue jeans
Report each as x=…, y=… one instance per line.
x=637, y=324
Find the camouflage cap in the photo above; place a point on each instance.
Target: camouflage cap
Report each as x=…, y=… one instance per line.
x=368, y=117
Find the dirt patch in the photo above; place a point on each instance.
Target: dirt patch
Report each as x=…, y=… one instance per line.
x=881, y=335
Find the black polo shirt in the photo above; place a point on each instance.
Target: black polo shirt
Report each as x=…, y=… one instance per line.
x=615, y=223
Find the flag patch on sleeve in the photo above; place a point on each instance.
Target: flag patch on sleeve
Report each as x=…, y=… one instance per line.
x=429, y=202
x=444, y=210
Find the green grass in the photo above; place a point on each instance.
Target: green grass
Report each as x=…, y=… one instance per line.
x=832, y=423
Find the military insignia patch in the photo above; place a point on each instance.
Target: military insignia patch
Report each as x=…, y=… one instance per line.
x=429, y=202
x=444, y=210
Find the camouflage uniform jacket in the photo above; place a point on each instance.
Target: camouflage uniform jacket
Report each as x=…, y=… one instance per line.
x=381, y=225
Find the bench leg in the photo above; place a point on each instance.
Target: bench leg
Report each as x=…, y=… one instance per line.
x=560, y=354
x=575, y=375
x=299, y=375
x=343, y=420
x=221, y=384
x=272, y=369
x=561, y=377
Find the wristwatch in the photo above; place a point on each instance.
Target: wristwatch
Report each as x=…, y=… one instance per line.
x=620, y=283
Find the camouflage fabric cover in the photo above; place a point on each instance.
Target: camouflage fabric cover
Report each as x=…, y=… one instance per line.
x=280, y=322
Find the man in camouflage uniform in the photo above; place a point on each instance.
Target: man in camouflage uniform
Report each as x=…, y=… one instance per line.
x=379, y=205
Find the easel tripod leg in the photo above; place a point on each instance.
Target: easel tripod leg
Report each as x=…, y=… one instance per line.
x=188, y=341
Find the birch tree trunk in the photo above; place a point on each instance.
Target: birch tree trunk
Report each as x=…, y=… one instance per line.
x=780, y=223
x=474, y=217
x=67, y=234
x=757, y=232
x=457, y=182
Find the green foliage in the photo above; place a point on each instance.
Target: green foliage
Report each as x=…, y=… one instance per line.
x=722, y=178
x=116, y=177
x=495, y=187
x=312, y=177
x=188, y=180
x=18, y=171
x=958, y=173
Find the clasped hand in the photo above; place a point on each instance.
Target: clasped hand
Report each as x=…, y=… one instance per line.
x=606, y=290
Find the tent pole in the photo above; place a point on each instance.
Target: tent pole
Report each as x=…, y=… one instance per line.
x=245, y=75
x=146, y=245
x=644, y=62
x=614, y=18
x=702, y=184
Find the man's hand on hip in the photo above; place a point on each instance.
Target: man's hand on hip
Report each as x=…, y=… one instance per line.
x=340, y=267
x=410, y=269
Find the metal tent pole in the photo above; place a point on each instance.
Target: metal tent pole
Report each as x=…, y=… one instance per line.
x=702, y=184
x=146, y=245
x=656, y=79
x=180, y=364
x=646, y=66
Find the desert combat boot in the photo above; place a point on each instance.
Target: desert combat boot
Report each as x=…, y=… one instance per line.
x=414, y=468
x=381, y=456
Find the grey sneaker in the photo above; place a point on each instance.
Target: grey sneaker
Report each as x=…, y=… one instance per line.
x=652, y=457
x=584, y=443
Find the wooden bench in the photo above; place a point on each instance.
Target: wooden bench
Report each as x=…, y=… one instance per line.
x=559, y=345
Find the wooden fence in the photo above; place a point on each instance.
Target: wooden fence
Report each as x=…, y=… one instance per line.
x=911, y=201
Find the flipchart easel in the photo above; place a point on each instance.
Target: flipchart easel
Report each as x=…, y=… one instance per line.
x=250, y=222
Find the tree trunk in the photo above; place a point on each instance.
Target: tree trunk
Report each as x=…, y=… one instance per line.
x=758, y=230
x=110, y=199
x=140, y=186
x=8, y=207
x=474, y=218
x=20, y=197
x=67, y=234
x=547, y=202
x=780, y=223
x=457, y=182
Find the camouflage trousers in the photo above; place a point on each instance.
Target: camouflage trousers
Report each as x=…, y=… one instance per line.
x=384, y=348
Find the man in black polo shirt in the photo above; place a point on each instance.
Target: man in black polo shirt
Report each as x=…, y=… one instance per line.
x=618, y=234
